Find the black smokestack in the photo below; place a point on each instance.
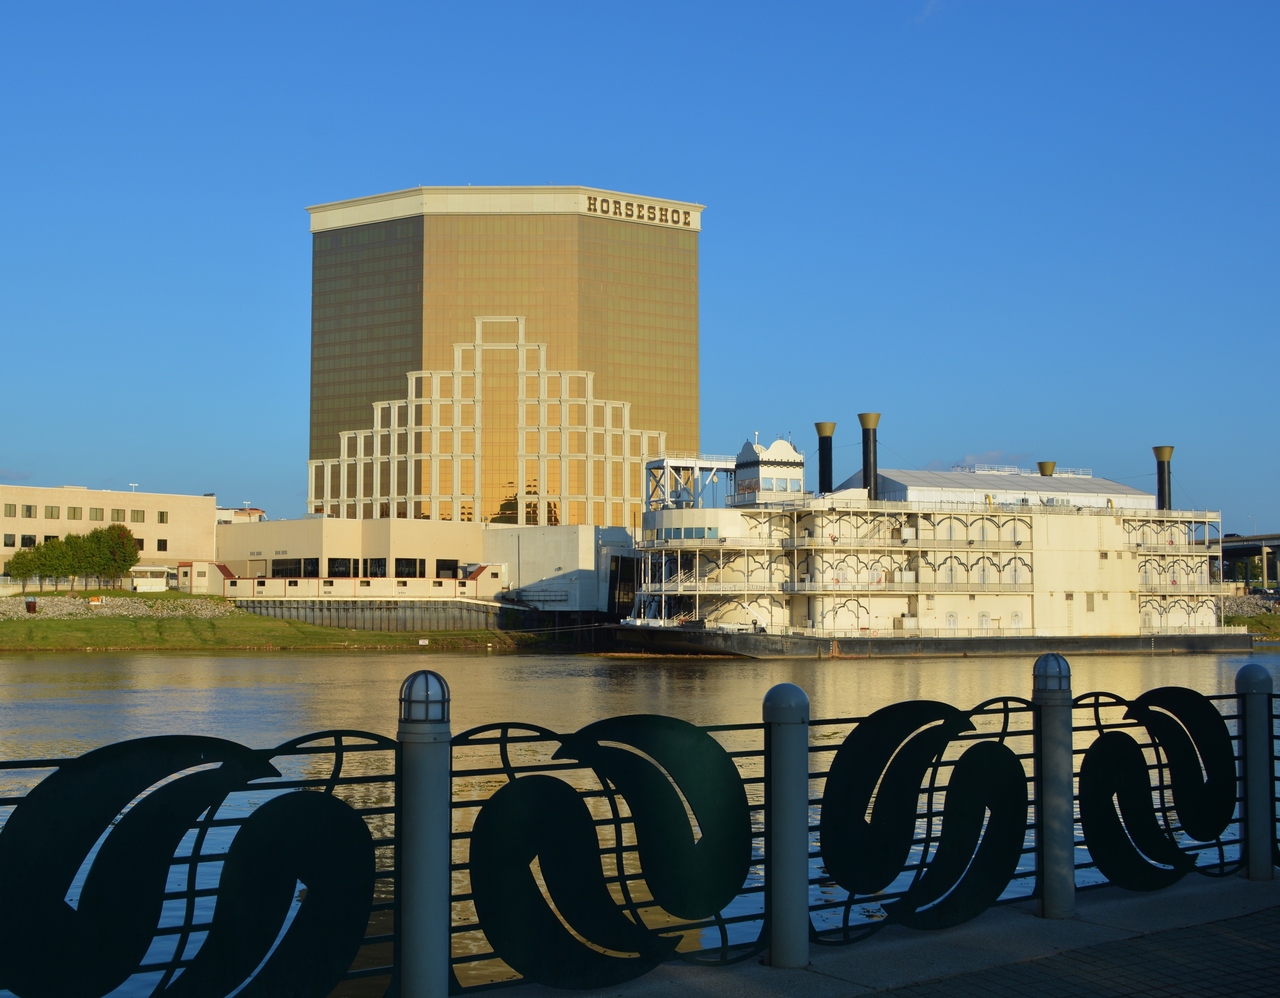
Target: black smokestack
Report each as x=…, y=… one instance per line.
x=825, y=432
x=1164, y=477
x=869, y=421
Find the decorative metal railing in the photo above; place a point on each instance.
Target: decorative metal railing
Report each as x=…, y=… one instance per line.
x=575, y=859
x=897, y=816
x=1157, y=789
x=185, y=864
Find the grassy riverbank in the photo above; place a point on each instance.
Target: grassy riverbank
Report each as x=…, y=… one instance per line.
x=1265, y=625
x=241, y=632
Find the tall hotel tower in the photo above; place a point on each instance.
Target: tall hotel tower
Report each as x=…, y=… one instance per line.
x=500, y=354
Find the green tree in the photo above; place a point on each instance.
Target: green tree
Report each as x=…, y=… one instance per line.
x=120, y=550
x=96, y=556
x=22, y=566
x=76, y=556
x=51, y=559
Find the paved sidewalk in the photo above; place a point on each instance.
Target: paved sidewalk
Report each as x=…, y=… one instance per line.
x=1237, y=956
x=1203, y=936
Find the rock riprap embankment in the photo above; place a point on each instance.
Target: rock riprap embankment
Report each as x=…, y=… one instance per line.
x=66, y=607
x=1249, y=605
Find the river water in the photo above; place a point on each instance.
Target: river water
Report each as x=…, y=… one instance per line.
x=54, y=704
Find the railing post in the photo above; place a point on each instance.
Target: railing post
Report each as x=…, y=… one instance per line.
x=1253, y=693
x=786, y=767
x=426, y=820
x=1055, y=806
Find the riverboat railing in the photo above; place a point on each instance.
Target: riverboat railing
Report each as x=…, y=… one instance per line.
x=350, y=863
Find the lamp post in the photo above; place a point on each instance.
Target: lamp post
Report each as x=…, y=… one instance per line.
x=786, y=718
x=1253, y=698
x=1055, y=821
x=425, y=824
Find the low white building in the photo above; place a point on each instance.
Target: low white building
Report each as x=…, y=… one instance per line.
x=564, y=568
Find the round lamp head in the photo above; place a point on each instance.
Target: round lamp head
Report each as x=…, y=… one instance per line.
x=424, y=696
x=1051, y=672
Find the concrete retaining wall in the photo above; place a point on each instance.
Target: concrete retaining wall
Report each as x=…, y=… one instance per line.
x=381, y=615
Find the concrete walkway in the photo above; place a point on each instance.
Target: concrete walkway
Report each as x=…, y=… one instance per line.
x=1202, y=936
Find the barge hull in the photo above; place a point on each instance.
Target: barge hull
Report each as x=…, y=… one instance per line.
x=681, y=641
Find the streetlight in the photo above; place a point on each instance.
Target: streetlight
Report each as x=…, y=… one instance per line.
x=1255, y=525
x=133, y=486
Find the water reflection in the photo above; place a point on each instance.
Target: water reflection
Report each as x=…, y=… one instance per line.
x=61, y=705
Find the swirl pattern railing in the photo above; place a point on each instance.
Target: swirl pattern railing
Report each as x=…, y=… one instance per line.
x=186, y=865
x=1158, y=794
x=585, y=859
x=921, y=815
x=190, y=865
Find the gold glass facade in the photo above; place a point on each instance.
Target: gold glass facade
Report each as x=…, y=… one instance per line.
x=366, y=322
x=608, y=372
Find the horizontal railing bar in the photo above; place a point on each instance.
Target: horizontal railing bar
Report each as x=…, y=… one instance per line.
x=344, y=749
x=352, y=975
x=321, y=781
x=462, y=741
x=459, y=774
x=34, y=764
x=316, y=750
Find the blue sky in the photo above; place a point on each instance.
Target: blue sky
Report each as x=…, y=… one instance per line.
x=1022, y=231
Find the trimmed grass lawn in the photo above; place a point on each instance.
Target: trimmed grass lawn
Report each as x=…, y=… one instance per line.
x=238, y=632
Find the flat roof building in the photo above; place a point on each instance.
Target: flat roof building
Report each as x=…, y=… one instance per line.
x=168, y=528
x=500, y=354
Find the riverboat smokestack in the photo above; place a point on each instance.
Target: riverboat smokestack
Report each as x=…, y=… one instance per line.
x=1164, y=477
x=1047, y=468
x=825, y=432
x=869, y=421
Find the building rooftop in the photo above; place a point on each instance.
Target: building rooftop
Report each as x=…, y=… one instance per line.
x=779, y=452
x=997, y=482
x=543, y=200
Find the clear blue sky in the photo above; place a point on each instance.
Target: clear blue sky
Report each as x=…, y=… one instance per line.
x=1022, y=231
